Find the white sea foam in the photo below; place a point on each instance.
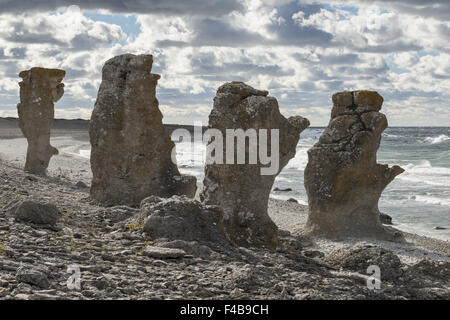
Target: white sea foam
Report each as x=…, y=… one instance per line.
x=283, y=179
x=286, y=197
x=439, y=139
x=431, y=200
x=300, y=160
x=424, y=172
x=389, y=135
x=190, y=155
x=85, y=153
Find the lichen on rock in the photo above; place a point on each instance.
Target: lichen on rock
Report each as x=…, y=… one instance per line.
x=241, y=189
x=181, y=218
x=131, y=150
x=342, y=178
x=39, y=89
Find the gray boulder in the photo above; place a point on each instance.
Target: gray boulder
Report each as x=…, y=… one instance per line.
x=131, y=150
x=181, y=218
x=385, y=218
x=32, y=276
x=359, y=257
x=38, y=213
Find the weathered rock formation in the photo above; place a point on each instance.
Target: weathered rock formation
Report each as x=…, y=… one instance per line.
x=342, y=179
x=131, y=150
x=241, y=189
x=39, y=89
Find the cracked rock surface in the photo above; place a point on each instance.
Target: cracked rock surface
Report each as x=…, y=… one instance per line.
x=131, y=150
x=39, y=89
x=242, y=190
x=342, y=178
x=117, y=260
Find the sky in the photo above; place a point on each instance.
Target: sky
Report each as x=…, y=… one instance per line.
x=301, y=51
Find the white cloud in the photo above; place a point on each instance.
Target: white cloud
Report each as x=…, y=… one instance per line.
x=301, y=53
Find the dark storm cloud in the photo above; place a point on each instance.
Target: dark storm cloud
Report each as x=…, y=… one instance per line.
x=18, y=53
x=330, y=59
x=207, y=65
x=42, y=33
x=399, y=46
x=84, y=42
x=217, y=33
x=169, y=7
x=288, y=32
x=439, y=9
x=349, y=58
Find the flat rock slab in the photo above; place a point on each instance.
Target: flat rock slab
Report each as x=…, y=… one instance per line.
x=33, y=277
x=31, y=211
x=163, y=253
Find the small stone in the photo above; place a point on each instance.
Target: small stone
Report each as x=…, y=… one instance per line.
x=313, y=254
x=32, y=276
x=385, y=219
x=163, y=253
x=158, y=263
x=282, y=190
x=292, y=200
x=81, y=185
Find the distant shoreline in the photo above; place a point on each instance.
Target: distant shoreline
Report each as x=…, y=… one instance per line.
x=10, y=123
x=79, y=124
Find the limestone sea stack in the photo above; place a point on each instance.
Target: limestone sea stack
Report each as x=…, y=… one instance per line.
x=39, y=89
x=131, y=150
x=242, y=190
x=342, y=178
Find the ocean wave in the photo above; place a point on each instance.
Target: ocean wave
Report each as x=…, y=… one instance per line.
x=283, y=179
x=431, y=200
x=300, y=160
x=425, y=167
x=85, y=153
x=389, y=135
x=439, y=139
x=286, y=197
x=424, y=172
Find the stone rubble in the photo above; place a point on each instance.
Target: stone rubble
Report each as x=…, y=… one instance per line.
x=117, y=260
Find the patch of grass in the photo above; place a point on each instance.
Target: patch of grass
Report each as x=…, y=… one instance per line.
x=2, y=245
x=130, y=226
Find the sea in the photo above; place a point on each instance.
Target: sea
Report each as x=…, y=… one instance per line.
x=418, y=200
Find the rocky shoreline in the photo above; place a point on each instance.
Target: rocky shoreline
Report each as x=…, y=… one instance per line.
x=117, y=261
